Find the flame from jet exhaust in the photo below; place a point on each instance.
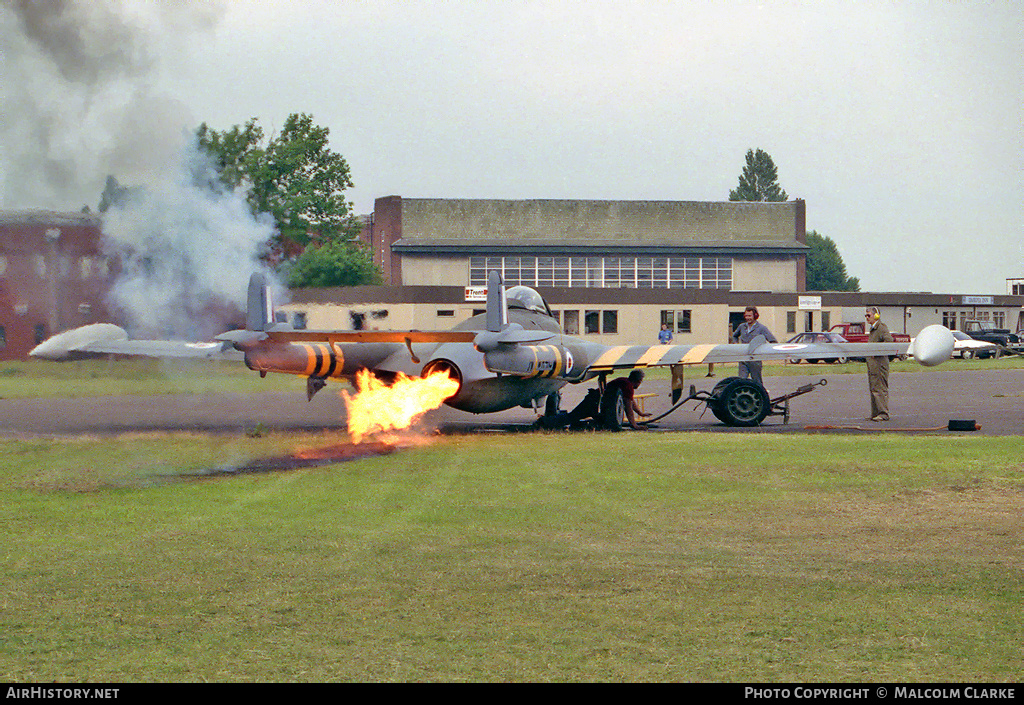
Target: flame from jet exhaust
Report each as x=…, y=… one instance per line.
x=377, y=406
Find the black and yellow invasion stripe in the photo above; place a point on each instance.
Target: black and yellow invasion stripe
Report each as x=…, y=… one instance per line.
x=548, y=361
x=307, y=359
x=639, y=356
x=322, y=359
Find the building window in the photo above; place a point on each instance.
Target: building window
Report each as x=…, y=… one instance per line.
x=3, y=266
x=299, y=321
x=571, y=322
x=610, y=321
x=606, y=272
x=3, y=337
x=445, y=313
x=826, y=318
x=677, y=321
x=40, y=333
x=791, y=321
x=949, y=319
x=592, y=322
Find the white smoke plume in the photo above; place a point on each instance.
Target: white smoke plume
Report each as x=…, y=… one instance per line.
x=186, y=248
x=76, y=96
x=77, y=104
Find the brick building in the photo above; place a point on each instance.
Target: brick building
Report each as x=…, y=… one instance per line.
x=53, y=276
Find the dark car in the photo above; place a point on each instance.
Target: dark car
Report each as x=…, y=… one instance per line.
x=824, y=337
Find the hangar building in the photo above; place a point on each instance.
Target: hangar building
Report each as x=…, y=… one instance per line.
x=591, y=244
x=615, y=270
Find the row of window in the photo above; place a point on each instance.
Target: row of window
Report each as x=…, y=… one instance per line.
x=606, y=272
x=87, y=267
x=808, y=316
x=950, y=318
x=677, y=320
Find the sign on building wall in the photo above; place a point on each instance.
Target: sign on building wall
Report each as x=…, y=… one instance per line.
x=979, y=300
x=809, y=303
x=476, y=293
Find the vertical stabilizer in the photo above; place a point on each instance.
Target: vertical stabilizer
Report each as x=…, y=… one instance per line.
x=497, y=306
x=260, y=309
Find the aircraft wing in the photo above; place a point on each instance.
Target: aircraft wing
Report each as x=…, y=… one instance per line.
x=639, y=356
x=104, y=338
x=370, y=336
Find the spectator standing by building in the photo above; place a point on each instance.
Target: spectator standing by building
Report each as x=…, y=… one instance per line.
x=664, y=335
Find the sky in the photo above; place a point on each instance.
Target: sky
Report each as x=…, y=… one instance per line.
x=899, y=123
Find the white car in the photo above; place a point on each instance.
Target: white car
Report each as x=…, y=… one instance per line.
x=967, y=347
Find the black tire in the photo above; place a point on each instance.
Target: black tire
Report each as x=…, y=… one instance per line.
x=967, y=354
x=741, y=402
x=813, y=362
x=613, y=410
x=552, y=404
x=716, y=395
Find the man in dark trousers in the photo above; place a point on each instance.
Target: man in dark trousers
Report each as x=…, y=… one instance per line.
x=878, y=366
x=746, y=332
x=628, y=386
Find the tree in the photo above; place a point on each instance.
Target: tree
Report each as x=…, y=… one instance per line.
x=235, y=152
x=333, y=264
x=825, y=268
x=759, y=180
x=295, y=177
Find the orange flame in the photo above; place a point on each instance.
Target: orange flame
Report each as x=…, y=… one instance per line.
x=378, y=407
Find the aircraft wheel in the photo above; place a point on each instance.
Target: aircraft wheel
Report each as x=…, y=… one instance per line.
x=613, y=410
x=714, y=403
x=741, y=403
x=552, y=403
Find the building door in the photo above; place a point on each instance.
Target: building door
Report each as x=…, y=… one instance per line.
x=735, y=319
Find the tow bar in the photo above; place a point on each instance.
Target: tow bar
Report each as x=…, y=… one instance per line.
x=741, y=402
x=780, y=405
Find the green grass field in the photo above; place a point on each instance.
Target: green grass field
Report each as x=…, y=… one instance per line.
x=140, y=376
x=547, y=557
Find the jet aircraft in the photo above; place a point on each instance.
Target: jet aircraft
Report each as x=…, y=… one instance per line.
x=514, y=354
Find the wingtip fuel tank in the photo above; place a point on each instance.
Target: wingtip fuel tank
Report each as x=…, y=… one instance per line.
x=932, y=346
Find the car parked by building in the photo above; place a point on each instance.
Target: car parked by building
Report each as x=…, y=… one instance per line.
x=821, y=337
x=967, y=347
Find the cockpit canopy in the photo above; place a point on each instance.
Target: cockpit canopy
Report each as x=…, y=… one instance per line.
x=526, y=298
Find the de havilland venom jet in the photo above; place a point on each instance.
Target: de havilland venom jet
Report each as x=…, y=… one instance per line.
x=514, y=354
